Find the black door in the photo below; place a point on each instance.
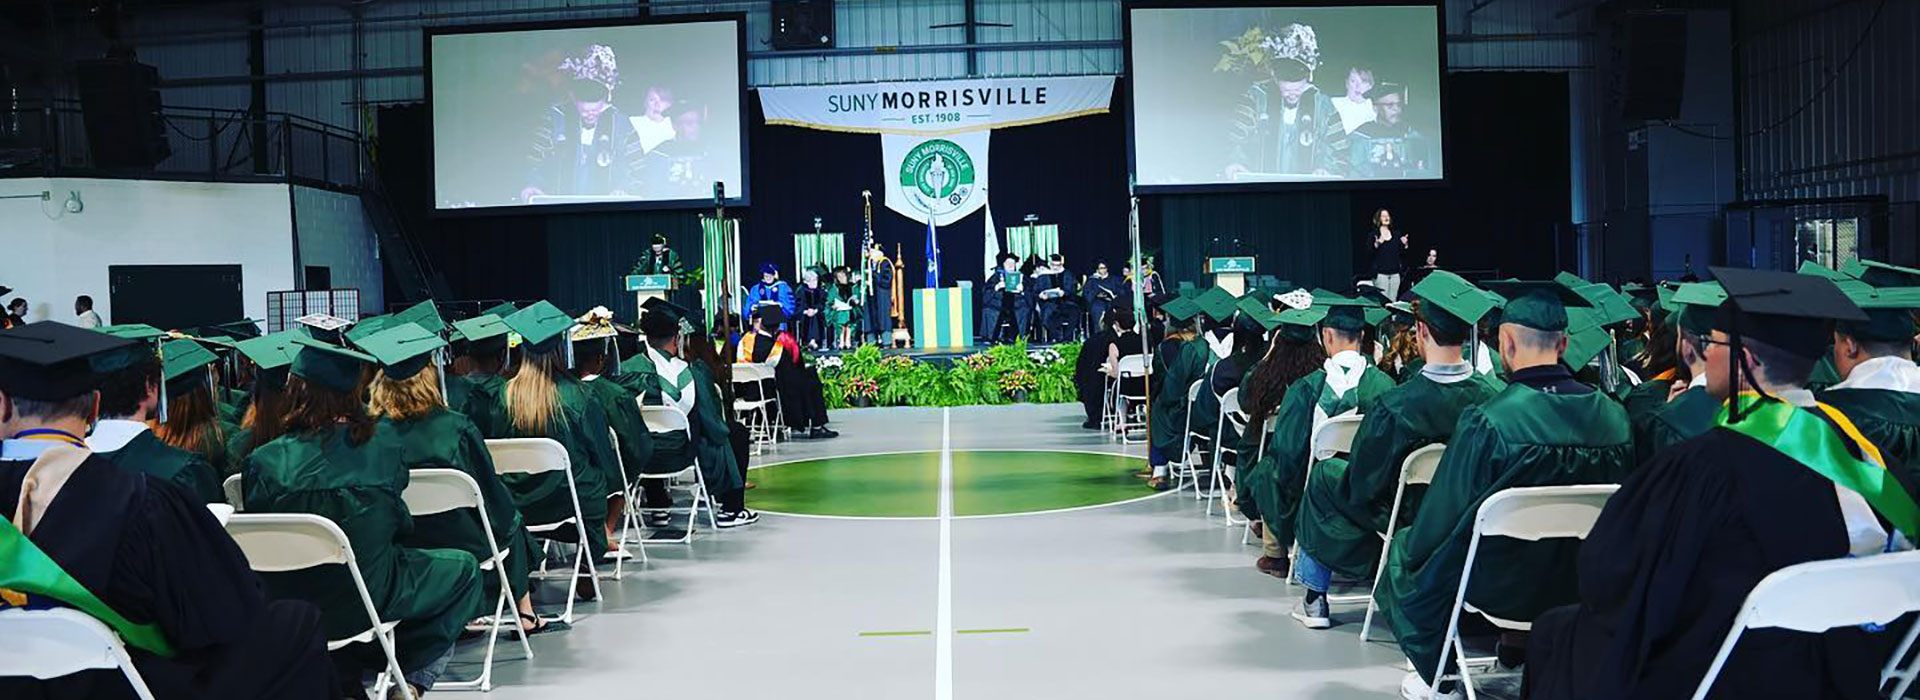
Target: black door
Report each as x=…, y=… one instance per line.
x=172, y=297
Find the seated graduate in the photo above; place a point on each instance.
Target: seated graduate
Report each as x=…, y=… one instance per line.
x=1880, y=386
x=719, y=439
x=1825, y=373
x=271, y=357
x=1544, y=429
x=1346, y=382
x=843, y=308
x=405, y=397
x=1178, y=362
x=1347, y=500
x=337, y=462
x=803, y=403
x=142, y=556
x=193, y=421
x=810, y=307
x=1689, y=409
x=1592, y=352
x=665, y=379
x=1780, y=480
x=1400, y=351
x=477, y=379
x=223, y=339
x=771, y=289
x=1636, y=338
x=1223, y=341
x=1292, y=352
x=1089, y=372
x=1006, y=307
x=1659, y=363
x=594, y=340
x=129, y=399
x=544, y=400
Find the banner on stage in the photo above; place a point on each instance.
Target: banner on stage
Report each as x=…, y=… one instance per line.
x=939, y=177
x=936, y=107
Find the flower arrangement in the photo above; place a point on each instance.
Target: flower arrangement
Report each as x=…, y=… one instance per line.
x=1000, y=375
x=829, y=363
x=1019, y=380
x=863, y=387
x=977, y=361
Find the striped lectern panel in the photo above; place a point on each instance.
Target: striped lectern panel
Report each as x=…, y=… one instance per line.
x=943, y=318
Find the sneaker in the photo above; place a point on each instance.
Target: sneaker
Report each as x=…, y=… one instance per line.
x=1413, y=687
x=738, y=518
x=658, y=519
x=1313, y=613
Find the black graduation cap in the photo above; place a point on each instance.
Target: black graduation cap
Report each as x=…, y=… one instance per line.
x=771, y=314
x=661, y=318
x=1782, y=309
x=52, y=361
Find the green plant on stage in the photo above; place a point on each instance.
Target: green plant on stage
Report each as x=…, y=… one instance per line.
x=1016, y=381
x=988, y=378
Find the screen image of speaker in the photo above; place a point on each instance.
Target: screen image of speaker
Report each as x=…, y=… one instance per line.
x=120, y=103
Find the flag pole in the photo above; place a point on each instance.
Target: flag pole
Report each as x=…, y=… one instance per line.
x=1141, y=321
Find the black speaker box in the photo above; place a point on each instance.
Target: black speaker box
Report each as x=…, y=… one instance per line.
x=802, y=24
x=120, y=103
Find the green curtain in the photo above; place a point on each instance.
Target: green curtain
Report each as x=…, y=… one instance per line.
x=1038, y=239
x=719, y=242
x=826, y=249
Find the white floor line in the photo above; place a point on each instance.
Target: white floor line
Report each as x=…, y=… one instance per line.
x=943, y=621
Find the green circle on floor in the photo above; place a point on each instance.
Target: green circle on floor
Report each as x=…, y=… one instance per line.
x=907, y=485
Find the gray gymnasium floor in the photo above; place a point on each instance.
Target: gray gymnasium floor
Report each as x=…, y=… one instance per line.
x=1144, y=599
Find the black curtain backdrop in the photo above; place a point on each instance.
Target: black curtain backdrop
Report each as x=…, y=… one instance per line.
x=1506, y=197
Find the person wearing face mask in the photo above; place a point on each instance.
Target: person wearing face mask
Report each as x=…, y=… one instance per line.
x=585, y=145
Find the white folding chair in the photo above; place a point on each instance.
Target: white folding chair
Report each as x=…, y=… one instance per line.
x=1821, y=595
x=1133, y=372
x=1330, y=438
x=534, y=456
x=1266, y=431
x=282, y=542
x=666, y=419
x=435, y=491
x=232, y=488
x=1230, y=414
x=1417, y=468
x=1184, y=468
x=1532, y=514
x=629, y=516
x=757, y=414
x=46, y=644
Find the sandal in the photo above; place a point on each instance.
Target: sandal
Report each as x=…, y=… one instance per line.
x=541, y=625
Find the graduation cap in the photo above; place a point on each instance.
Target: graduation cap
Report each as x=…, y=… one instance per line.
x=424, y=315
x=1179, y=310
x=1366, y=290
x=502, y=309
x=367, y=327
x=1641, y=296
x=133, y=331
x=1217, y=304
x=484, y=334
x=1250, y=304
x=1587, y=336
x=1538, y=305
x=242, y=329
x=1815, y=269
x=1297, y=325
x=1694, y=305
x=1451, y=303
x=541, y=326
x=594, y=325
x=1889, y=312
x=771, y=314
x=1346, y=314
x=184, y=365
x=271, y=356
x=660, y=318
x=329, y=366
x=324, y=327
x=403, y=349
x=1881, y=274
x=1610, y=307
x=52, y=361
x=1782, y=309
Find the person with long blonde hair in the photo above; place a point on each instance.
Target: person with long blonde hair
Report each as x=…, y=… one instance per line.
x=405, y=396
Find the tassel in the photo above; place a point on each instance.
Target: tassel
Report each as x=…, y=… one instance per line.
x=440, y=372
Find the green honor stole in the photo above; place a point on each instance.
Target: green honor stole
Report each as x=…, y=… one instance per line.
x=1827, y=442
x=26, y=572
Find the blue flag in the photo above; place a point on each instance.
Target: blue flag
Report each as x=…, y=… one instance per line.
x=933, y=256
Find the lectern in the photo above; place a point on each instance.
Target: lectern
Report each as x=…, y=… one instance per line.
x=1230, y=273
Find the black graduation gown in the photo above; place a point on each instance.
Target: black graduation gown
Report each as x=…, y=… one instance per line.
x=810, y=329
x=151, y=552
x=1088, y=382
x=803, y=402
x=1667, y=567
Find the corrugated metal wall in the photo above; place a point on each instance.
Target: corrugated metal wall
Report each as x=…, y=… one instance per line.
x=1816, y=125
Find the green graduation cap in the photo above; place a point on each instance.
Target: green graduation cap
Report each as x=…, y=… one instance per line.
x=1259, y=316
x=1880, y=274
x=1694, y=304
x=483, y=334
x=1587, y=336
x=328, y=366
x=1347, y=314
x=1642, y=296
x=1889, y=312
x=1451, y=303
x=133, y=331
x=1181, y=310
x=1666, y=296
x=542, y=326
x=1217, y=304
x=1535, y=304
x=1250, y=304
x=424, y=315
x=1788, y=311
x=1611, y=307
x=271, y=356
x=503, y=309
x=403, y=349
x=1298, y=325
x=1815, y=269
x=242, y=329
x=366, y=327
x=184, y=365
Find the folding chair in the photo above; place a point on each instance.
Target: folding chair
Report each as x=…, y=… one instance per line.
x=232, y=488
x=1132, y=375
x=282, y=542
x=1185, y=469
x=45, y=644
x=757, y=413
x=1531, y=514
x=666, y=419
x=1332, y=437
x=629, y=516
x=1417, y=468
x=533, y=456
x=1230, y=413
x=1821, y=595
x=1266, y=431
x=435, y=491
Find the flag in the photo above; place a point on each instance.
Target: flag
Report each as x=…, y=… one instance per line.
x=992, y=258
x=933, y=255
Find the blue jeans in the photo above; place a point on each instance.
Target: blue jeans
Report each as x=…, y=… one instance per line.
x=424, y=678
x=1155, y=456
x=1311, y=574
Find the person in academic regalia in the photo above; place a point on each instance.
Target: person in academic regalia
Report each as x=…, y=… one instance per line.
x=193, y=420
x=1661, y=369
x=802, y=399
x=843, y=308
x=1688, y=409
x=810, y=304
x=1053, y=293
x=265, y=419
x=1388, y=147
x=1218, y=342
x=1284, y=124
x=1346, y=383
x=337, y=462
x=585, y=145
x=1880, y=389
x=475, y=382
x=144, y=556
x=1152, y=284
x=664, y=378
x=1291, y=353
x=1347, y=501
x=1179, y=361
x=592, y=341
x=1778, y=481
x=1089, y=383
x=659, y=259
x=879, y=305
x=405, y=397
x=1103, y=291
x=770, y=290
x=1007, y=303
x=1544, y=429
x=129, y=399
x=721, y=440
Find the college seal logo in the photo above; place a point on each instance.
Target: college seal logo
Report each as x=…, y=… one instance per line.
x=938, y=177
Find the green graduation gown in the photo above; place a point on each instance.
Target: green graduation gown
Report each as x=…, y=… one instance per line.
x=1688, y=415
x=582, y=430
x=431, y=592
x=233, y=405
x=146, y=454
x=475, y=395
x=1825, y=374
x=712, y=439
x=1275, y=482
x=1521, y=437
x=1348, y=498
x=1891, y=421
x=670, y=450
x=447, y=440
x=841, y=318
x=1180, y=364
x=1646, y=397
x=623, y=414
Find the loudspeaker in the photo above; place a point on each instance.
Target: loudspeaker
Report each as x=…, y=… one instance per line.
x=120, y=103
x=802, y=24
x=1652, y=65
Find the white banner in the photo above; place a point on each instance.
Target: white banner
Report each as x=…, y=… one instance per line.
x=936, y=107
x=943, y=177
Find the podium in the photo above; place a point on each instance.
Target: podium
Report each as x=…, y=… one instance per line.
x=1230, y=273
x=943, y=318
x=646, y=287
